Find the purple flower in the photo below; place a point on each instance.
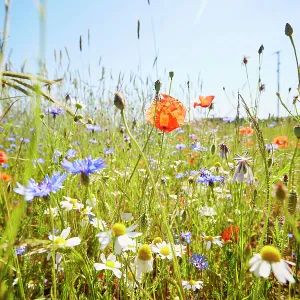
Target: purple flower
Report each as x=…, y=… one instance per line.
x=86, y=166
x=71, y=153
x=199, y=261
x=180, y=146
x=92, y=127
x=43, y=189
x=108, y=151
x=20, y=250
x=207, y=178
x=186, y=236
x=54, y=111
x=24, y=140
x=228, y=119
x=180, y=175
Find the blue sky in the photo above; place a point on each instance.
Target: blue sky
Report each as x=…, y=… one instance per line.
x=192, y=37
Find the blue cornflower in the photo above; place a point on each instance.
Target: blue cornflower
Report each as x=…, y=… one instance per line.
x=11, y=139
x=54, y=111
x=86, y=166
x=228, y=119
x=207, y=178
x=71, y=153
x=199, y=261
x=180, y=146
x=180, y=175
x=20, y=250
x=24, y=140
x=5, y=166
x=271, y=147
x=43, y=189
x=186, y=236
x=93, y=141
x=180, y=130
x=93, y=128
x=108, y=151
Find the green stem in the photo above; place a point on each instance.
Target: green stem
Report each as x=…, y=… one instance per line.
x=296, y=57
x=291, y=173
x=142, y=155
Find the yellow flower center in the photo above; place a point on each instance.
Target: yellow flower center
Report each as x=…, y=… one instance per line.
x=217, y=165
x=165, y=251
x=130, y=276
x=60, y=241
x=209, y=238
x=157, y=240
x=270, y=253
x=85, y=211
x=192, y=282
x=119, y=229
x=145, y=253
x=110, y=264
x=86, y=218
x=73, y=201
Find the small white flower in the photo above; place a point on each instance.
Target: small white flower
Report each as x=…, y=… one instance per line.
x=164, y=250
x=206, y=211
x=109, y=264
x=270, y=258
x=54, y=211
x=15, y=281
x=70, y=204
x=62, y=241
x=209, y=240
x=123, y=237
x=192, y=284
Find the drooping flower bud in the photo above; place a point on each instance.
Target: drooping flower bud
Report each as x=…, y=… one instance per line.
x=297, y=131
x=119, y=101
x=171, y=74
x=288, y=29
x=157, y=86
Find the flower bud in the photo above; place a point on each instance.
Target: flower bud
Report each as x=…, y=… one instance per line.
x=157, y=86
x=77, y=118
x=213, y=149
x=292, y=202
x=261, y=49
x=288, y=29
x=297, y=131
x=119, y=101
x=42, y=116
x=171, y=74
x=280, y=191
x=78, y=105
x=90, y=121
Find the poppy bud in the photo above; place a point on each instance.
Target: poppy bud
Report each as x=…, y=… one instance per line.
x=42, y=116
x=78, y=105
x=288, y=29
x=157, y=86
x=297, y=131
x=213, y=149
x=119, y=101
x=292, y=202
x=261, y=49
x=270, y=162
x=171, y=74
x=77, y=118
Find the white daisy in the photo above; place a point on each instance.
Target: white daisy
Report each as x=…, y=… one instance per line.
x=62, y=241
x=192, y=284
x=209, y=240
x=109, y=264
x=164, y=250
x=270, y=258
x=122, y=236
x=54, y=211
x=70, y=204
x=144, y=260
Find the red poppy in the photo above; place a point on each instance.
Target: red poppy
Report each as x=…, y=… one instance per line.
x=230, y=233
x=3, y=157
x=5, y=177
x=246, y=131
x=281, y=141
x=166, y=114
x=249, y=144
x=204, y=101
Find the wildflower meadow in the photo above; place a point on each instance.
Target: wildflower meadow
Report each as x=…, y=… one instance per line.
x=119, y=193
